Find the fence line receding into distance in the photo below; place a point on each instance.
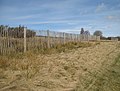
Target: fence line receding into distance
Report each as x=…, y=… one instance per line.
x=21, y=39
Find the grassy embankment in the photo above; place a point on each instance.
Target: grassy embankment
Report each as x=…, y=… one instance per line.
x=107, y=79
x=110, y=79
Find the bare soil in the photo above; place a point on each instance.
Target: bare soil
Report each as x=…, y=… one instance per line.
x=80, y=69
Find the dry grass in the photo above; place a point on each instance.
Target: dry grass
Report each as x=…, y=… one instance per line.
x=61, y=68
x=28, y=62
x=109, y=80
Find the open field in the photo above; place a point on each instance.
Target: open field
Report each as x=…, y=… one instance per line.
x=94, y=67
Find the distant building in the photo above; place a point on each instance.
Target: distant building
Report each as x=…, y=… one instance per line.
x=85, y=36
x=86, y=33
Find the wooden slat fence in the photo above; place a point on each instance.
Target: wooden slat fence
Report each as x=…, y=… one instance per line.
x=22, y=40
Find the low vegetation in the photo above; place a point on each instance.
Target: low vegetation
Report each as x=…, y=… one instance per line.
x=70, y=67
x=108, y=79
x=28, y=61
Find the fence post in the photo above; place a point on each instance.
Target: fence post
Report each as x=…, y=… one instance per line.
x=48, y=39
x=64, y=37
x=98, y=38
x=77, y=38
x=88, y=37
x=80, y=36
x=25, y=29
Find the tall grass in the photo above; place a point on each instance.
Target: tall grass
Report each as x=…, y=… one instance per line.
x=107, y=80
x=28, y=62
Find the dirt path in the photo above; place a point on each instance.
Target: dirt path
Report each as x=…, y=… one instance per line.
x=76, y=70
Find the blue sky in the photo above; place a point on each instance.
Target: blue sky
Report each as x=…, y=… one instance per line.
x=63, y=15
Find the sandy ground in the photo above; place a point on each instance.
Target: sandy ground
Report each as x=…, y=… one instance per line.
x=76, y=70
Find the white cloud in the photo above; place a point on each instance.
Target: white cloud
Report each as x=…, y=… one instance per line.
x=76, y=31
x=50, y=22
x=100, y=7
x=113, y=18
x=110, y=17
x=71, y=23
x=22, y=17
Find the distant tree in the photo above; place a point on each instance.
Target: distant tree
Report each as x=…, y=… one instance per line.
x=82, y=31
x=16, y=32
x=2, y=27
x=118, y=38
x=109, y=38
x=98, y=33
